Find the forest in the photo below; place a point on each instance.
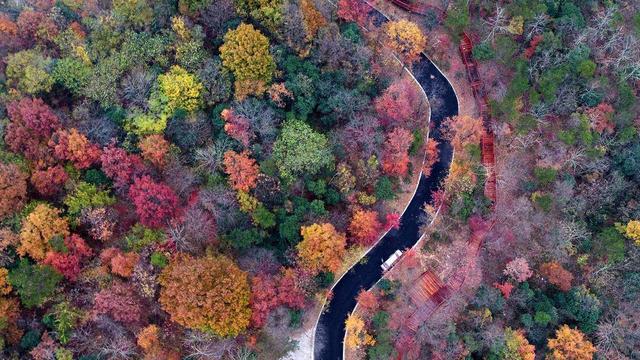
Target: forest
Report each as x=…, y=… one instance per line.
x=188, y=179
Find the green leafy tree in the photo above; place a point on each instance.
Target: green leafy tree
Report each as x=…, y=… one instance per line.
x=27, y=71
x=34, y=283
x=71, y=73
x=86, y=196
x=299, y=150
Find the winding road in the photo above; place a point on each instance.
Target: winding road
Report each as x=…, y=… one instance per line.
x=330, y=331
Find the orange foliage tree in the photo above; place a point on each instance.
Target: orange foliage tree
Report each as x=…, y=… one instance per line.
x=9, y=314
x=556, y=275
x=149, y=340
x=209, y=294
x=154, y=149
x=75, y=147
x=462, y=130
x=322, y=247
x=38, y=228
x=242, y=170
x=120, y=263
x=570, y=344
x=13, y=189
x=364, y=226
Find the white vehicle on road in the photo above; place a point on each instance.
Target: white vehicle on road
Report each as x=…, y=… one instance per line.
x=391, y=260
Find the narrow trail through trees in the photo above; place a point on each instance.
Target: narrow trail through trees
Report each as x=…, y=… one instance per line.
x=430, y=292
x=330, y=331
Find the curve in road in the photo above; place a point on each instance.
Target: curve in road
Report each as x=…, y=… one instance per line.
x=330, y=331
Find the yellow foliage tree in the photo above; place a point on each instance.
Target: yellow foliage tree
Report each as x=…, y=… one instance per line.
x=207, y=294
x=322, y=247
x=517, y=346
x=570, y=344
x=245, y=52
x=177, y=89
x=38, y=228
x=405, y=38
x=357, y=335
x=632, y=231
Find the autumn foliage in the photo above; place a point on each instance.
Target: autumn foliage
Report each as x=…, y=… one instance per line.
x=322, y=247
x=556, y=275
x=75, y=147
x=365, y=227
x=38, y=228
x=242, y=170
x=154, y=149
x=120, y=166
x=119, y=262
x=399, y=103
x=570, y=344
x=237, y=126
x=405, y=38
x=395, y=157
x=120, y=302
x=9, y=314
x=353, y=10
x=32, y=124
x=13, y=189
x=209, y=293
x=155, y=203
x=67, y=260
x=49, y=181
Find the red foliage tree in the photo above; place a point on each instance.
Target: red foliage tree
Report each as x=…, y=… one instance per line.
x=353, y=10
x=432, y=155
x=505, y=288
x=36, y=27
x=408, y=347
x=13, y=189
x=155, y=203
x=120, y=166
x=392, y=221
x=75, y=147
x=364, y=227
x=237, y=126
x=264, y=298
x=49, y=181
x=533, y=45
x=32, y=124
x=395, y=157
x=119, y=302
x=368, y=301
x=601, y=118
x=242, y=170
x=68, y=262
x=399, y=103
x=290, y=289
